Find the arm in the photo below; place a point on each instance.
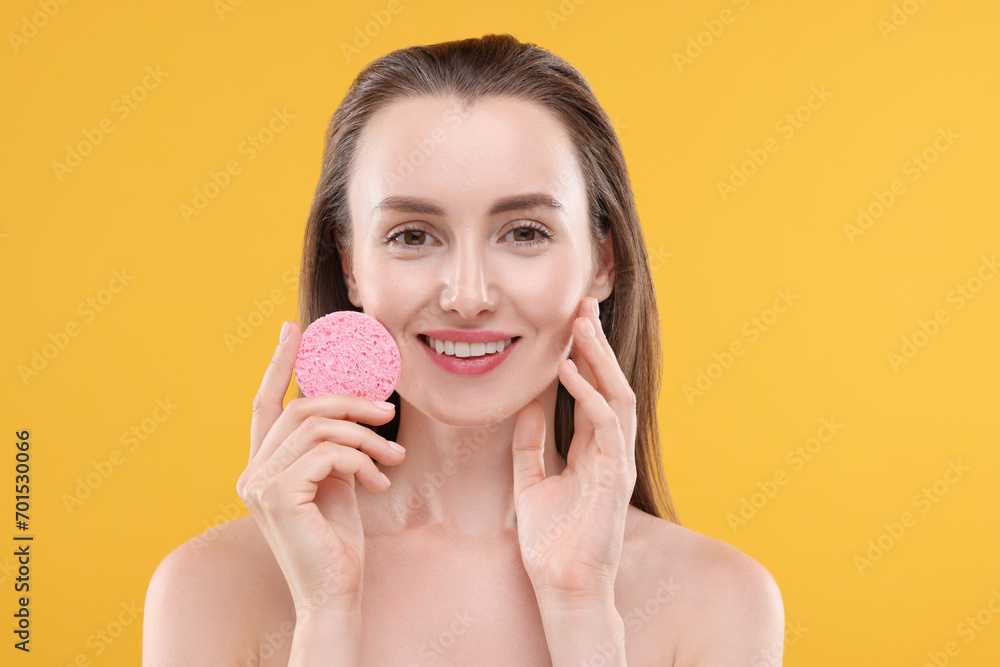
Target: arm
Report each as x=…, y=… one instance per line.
x=326, y=638
x=582, y=633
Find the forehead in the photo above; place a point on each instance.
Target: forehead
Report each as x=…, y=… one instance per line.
x=465, y=158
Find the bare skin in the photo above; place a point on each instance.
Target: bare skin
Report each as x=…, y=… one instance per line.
x=435, y=564
x=680, y=594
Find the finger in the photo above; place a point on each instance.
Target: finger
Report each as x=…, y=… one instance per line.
x=608, y=432
x=315, y=430
x=344, y=407
x=600, y=357
x=576, y=354
x=528, y=447
x=267, y=404
x=610, y=381
x=590, y=308
x=300, y=480
x=580, y=420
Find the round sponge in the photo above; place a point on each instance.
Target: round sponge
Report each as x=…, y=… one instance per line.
x=347, y=352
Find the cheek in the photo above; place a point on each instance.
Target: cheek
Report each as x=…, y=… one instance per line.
x=551, y=309
x=388, y=297
x=389, y=284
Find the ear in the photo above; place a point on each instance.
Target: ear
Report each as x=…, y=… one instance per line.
x=604, y=276
x=349, y=281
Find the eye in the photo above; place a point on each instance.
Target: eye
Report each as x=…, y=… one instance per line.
x=412, y=237
x=529, y=234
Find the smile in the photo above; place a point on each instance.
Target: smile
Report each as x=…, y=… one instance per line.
x=464, y=349
x=468, y=357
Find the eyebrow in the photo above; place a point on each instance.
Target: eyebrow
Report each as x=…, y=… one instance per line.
x=505, y=205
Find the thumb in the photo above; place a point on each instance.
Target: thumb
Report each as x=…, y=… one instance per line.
x=528, y=447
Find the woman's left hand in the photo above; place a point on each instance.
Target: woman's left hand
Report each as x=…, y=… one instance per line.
x=571, y=526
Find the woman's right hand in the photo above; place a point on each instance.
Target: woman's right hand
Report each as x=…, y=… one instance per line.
x=299, y=482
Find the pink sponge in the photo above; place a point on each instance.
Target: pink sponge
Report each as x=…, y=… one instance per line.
x=347, y=352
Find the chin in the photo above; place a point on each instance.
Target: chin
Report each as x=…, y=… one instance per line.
x=468, y=414
x=473, y=411
x=486, y=422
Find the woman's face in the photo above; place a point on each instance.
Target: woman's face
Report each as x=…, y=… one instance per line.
x=470, y=227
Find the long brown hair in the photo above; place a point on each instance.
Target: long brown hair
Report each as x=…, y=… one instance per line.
x=501, y=66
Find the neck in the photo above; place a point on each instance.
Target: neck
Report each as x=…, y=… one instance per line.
x=459, y=480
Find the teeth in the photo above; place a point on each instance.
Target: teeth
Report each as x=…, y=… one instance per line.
x=464, y=350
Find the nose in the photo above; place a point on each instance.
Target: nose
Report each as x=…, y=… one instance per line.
x=469, y=288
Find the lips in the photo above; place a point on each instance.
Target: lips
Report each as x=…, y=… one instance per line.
x=465, y=357
x=465, y=349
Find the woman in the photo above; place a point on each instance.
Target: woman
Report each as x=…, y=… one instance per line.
x=475, y=200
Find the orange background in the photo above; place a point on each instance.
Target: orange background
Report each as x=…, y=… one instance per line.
x=754, y=132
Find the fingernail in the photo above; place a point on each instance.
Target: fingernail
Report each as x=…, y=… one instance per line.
x=573, y=365
x=284, y=333
x=384, y=405
x=385, y=478
x=398, y=447
x=589, y=326
x=596, y=308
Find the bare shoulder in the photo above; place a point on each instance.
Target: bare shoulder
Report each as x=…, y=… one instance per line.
x=205, y=599
x=723, y=607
